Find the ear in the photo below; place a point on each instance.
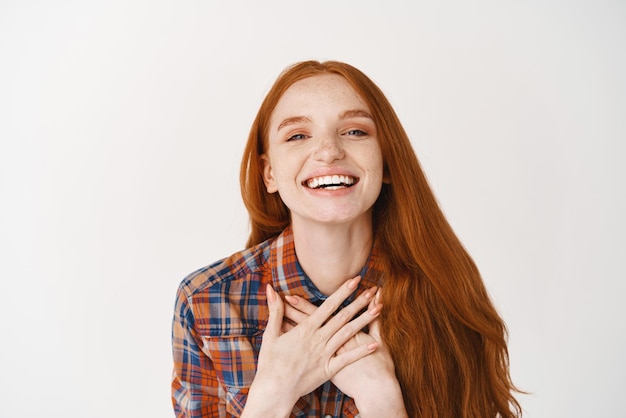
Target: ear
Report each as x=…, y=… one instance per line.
x=268, y=177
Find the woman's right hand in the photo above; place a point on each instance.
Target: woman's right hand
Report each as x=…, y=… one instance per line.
x=295, y=363
x=371, y=381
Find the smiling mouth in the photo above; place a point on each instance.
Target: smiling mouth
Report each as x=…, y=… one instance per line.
x=331, y=182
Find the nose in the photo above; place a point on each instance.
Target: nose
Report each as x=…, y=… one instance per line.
x=329, y=149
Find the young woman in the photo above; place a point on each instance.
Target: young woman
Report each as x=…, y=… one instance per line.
x=354, y=297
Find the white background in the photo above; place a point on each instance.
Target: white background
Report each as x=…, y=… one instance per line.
x=122, y=125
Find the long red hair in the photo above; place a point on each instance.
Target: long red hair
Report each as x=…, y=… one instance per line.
x=446, y=338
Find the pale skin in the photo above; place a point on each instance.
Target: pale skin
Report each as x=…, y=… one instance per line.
x=321, y=128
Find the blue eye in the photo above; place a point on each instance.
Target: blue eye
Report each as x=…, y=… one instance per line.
x=296, y=137
x=356, y=132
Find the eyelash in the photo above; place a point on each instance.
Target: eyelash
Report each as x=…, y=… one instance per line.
x=355, y=132
x=294, y=137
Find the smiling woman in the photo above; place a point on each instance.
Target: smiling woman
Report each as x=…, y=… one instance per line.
x=320, y=130
x=354, y=296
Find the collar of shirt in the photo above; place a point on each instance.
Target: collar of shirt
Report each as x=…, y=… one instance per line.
x=289, y=279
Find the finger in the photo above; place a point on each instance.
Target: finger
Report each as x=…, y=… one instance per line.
x=276, y=310
x=350, y=329
x=301, y=304
x=375, y=300
x=347, y=357
x=349, y=312
x=374, y=327
x=286, y=327
x=294, y=314
x=297, y=308
x=333, y=302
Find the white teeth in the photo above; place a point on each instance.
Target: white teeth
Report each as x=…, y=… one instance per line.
x=328, y=182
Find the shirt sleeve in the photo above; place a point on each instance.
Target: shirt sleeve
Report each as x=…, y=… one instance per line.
x=195, y=389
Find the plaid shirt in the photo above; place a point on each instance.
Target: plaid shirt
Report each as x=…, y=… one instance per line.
x=220, y=315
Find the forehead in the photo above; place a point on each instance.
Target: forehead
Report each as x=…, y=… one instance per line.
x=325, y=92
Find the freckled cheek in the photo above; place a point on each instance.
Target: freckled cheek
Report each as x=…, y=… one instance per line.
x=374, y=164
x=286, y=171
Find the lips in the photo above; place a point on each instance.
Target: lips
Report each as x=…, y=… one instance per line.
x=333, y=182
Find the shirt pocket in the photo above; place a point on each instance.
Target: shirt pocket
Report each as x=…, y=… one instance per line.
x=235, y=362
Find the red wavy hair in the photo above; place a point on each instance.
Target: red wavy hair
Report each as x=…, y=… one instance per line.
x=446, y=338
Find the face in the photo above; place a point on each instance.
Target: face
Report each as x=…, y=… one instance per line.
x=323, y=156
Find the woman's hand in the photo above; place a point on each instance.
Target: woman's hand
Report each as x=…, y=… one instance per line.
x=293, y=364
x=371, y=380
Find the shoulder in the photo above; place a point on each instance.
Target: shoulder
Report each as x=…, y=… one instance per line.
x=224, y=272
x=223, y=295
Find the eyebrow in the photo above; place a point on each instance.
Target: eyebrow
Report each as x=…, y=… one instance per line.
x=355, y=114
x=292, y=121
x=304, y=119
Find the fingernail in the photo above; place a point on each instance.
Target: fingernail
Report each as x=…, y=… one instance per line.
x=292, y=300
x=271, y=295
x=378, y=296
x=353, y=283
x=369, y=293
x=375, y=309
x=373, y=346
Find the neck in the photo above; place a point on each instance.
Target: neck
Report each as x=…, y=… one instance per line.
x=332, y=254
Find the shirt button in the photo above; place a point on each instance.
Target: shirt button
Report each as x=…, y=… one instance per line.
x=328, y=416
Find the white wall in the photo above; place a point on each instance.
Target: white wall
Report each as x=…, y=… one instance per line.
x=122, y=125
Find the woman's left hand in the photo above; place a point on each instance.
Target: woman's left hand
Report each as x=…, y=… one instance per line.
x=371, y=381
